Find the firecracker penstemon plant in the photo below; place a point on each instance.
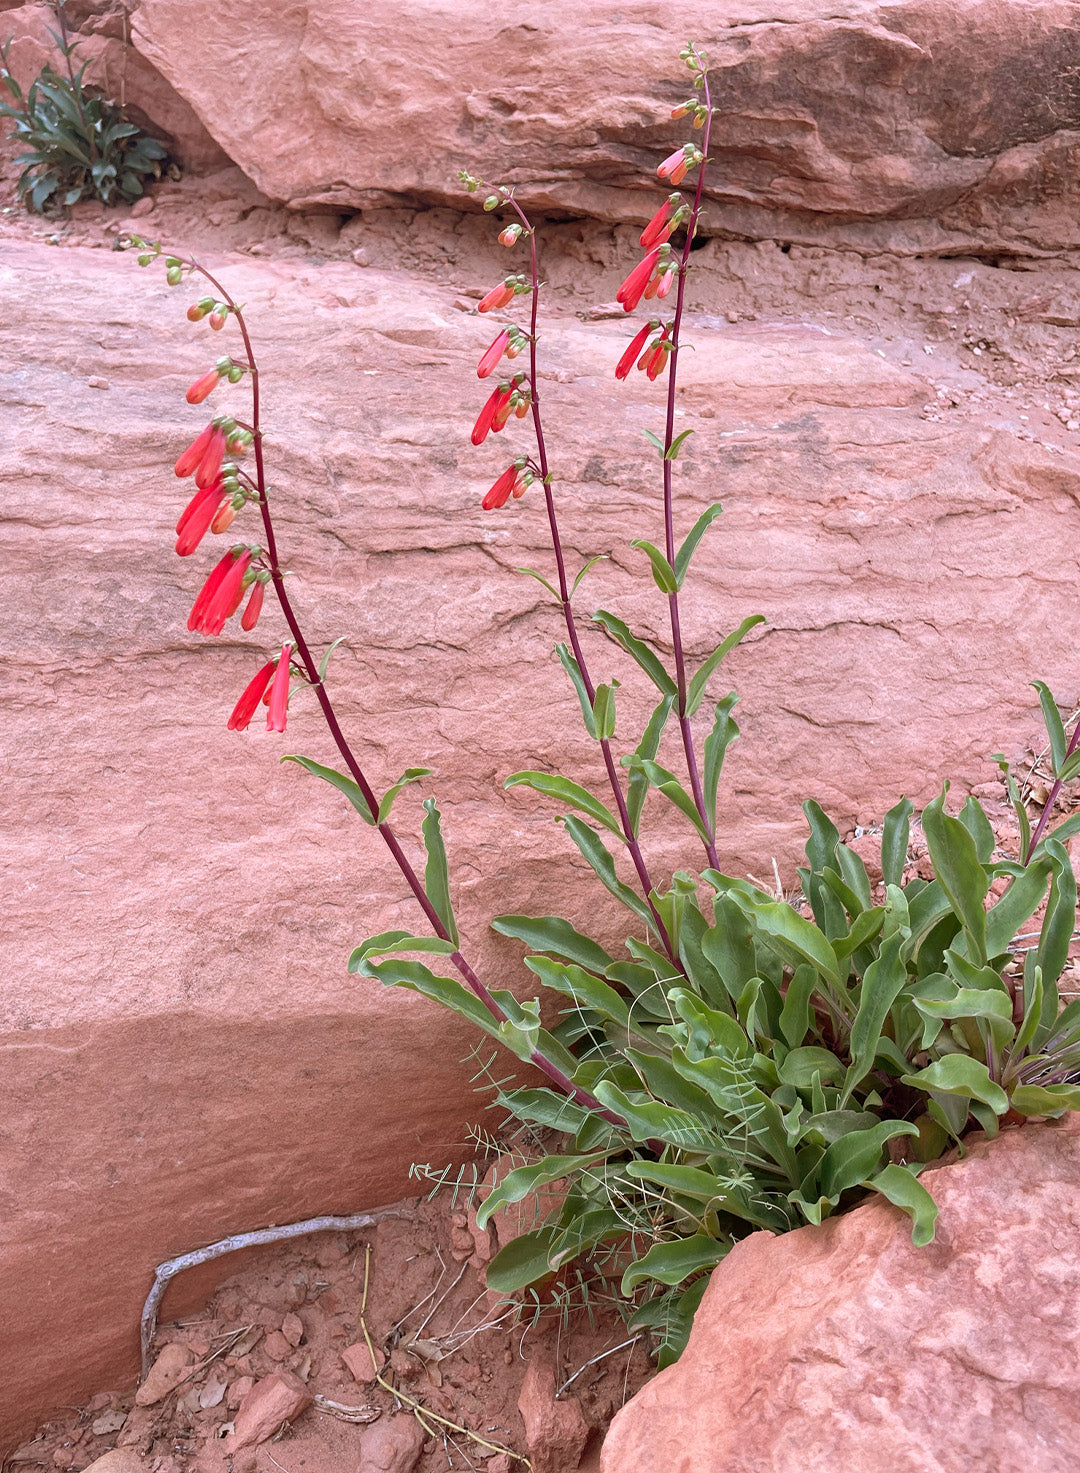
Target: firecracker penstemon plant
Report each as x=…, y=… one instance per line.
x=742, y=1066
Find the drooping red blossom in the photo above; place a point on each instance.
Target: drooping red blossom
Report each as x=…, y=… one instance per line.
x=503, y=411
x=630, y=293
x=509, y=236
x=278, y=708
x=224, y=517
x=209, y=467
x=196, y=517
x=657, y=359
x=498, y=398
x=248, y=703
x=226, y=597
x=207, y=591
x=675, y=167
x=189, y=461
x=250, y=616
x=494, y=354
x=499, y=296
x=203, y=387
x=658, y=228
x=500, y=493
x=629, y=357
x=666, y=282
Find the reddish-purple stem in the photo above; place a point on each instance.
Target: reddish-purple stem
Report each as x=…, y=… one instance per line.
x=669, y=520
x=627, y=827
x=1048, y=806
x=552, y=1071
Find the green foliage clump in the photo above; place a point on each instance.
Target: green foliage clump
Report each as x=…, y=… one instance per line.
x=76, y=145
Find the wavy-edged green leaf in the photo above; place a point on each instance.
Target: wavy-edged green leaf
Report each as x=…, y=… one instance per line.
x=602, y=864
x=1055, y=727
x=671, y=1263
x=391, y=942
x=436, y=873
x=901, y=1187
x=668, y=784
x=993, y=1008
x=882, y=984
x=587, y=990
x=522, y=1262
x=1020, y=901
x=696, y=691
x=638, y=650
x=693, y=537
x=895, y=834
x=555, y=937
x=445, y=990
x=663, y=573
x=337, y=780
x=546, y=1107
x=584, y=1231
x=1049, y=1100
x=551, y=785
x=963, y=1076
x=853, y=1158
x=410, y=775
x=794, y=938
x=573, y=669
x=959, y=872
x=650, y=1120
x=654, y=440
x=523, y=1181
x=725, y=730
x=801, y=1065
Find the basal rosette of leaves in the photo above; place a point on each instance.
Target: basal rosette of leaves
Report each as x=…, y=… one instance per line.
x=76, y=144
x=740, y=1065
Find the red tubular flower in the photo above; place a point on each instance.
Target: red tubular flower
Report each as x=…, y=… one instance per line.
x=499, y=296
x=629, y=294
x=223, y=517
x=225, y=598
x=500, y=493
x=493, y=355
x=629, y=358
x=278, y=707
x=207, y=591
x=251, y=614
x=658, y=228
x=203, y=387
x=674, y=167
x=189, y=461
x=209, y=467
x=666, y=282
x=248, y=703
x=503, y=411
x=487, y=414
x=658, y=358
x=195, y=520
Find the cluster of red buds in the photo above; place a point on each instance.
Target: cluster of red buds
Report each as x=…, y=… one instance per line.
x=222, y=489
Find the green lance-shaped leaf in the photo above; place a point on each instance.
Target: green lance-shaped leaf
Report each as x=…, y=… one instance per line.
x=795, y=1014
x=1055, y=728
x=601, y=557
x=604, y=711
x=671, y=1263
x=522, y=1262
x=565, y=791
x=1019, y=807
x=672, y=452
x=961, y=876
x=324, y=663
x=978, y=826
x=895, y=833
x=667, y=783
x=881, y=986
x=546, y=1107
x=790, y=935
x=443, y=990
x=337, y=780
x=523, y=1181
x=854, y=1157
x=592, y=847
x=992, y=1008
x=962, y=1076
x=654, y=440
x=391, y=942
x=649, y=661
x=436, y=874
x=903, y=1190
x=637, y=787
x=664, y=575
x=555, y=937
x=693, y=537
x=725, y=730
x=1021, y=900
x=1060, y=918
x=586, y=989
x=572, y=668
x=696, y=691
x=532, y=573
x=410, y=775
x=584, y=1231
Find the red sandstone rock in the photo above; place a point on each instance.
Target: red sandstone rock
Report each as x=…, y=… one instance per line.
x=358, y=1362
x=119, y=1460
x=555, y=1431
x=392, y=1445
x=879, y=126
x=292, y=1327
x=168, y=1370
x=845, y=1347
x=271, y=1402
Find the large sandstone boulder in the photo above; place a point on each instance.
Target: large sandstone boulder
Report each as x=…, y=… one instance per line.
x=919, y=126
x=184, y=1056
x=845, y=1347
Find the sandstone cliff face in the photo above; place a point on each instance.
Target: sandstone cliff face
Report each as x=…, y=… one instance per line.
x=921, y=126
x=846, y=1347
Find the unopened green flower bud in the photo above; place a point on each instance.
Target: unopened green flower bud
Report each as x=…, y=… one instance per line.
x=235, y=374
x=145, y=260
x=174, y=276
x=492, y=202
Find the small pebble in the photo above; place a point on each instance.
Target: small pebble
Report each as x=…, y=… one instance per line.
x=96, y=382
x=292, y=1327
x=164, y=1375
x=276, y=1346
x=361, y=257
x=144, y=205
